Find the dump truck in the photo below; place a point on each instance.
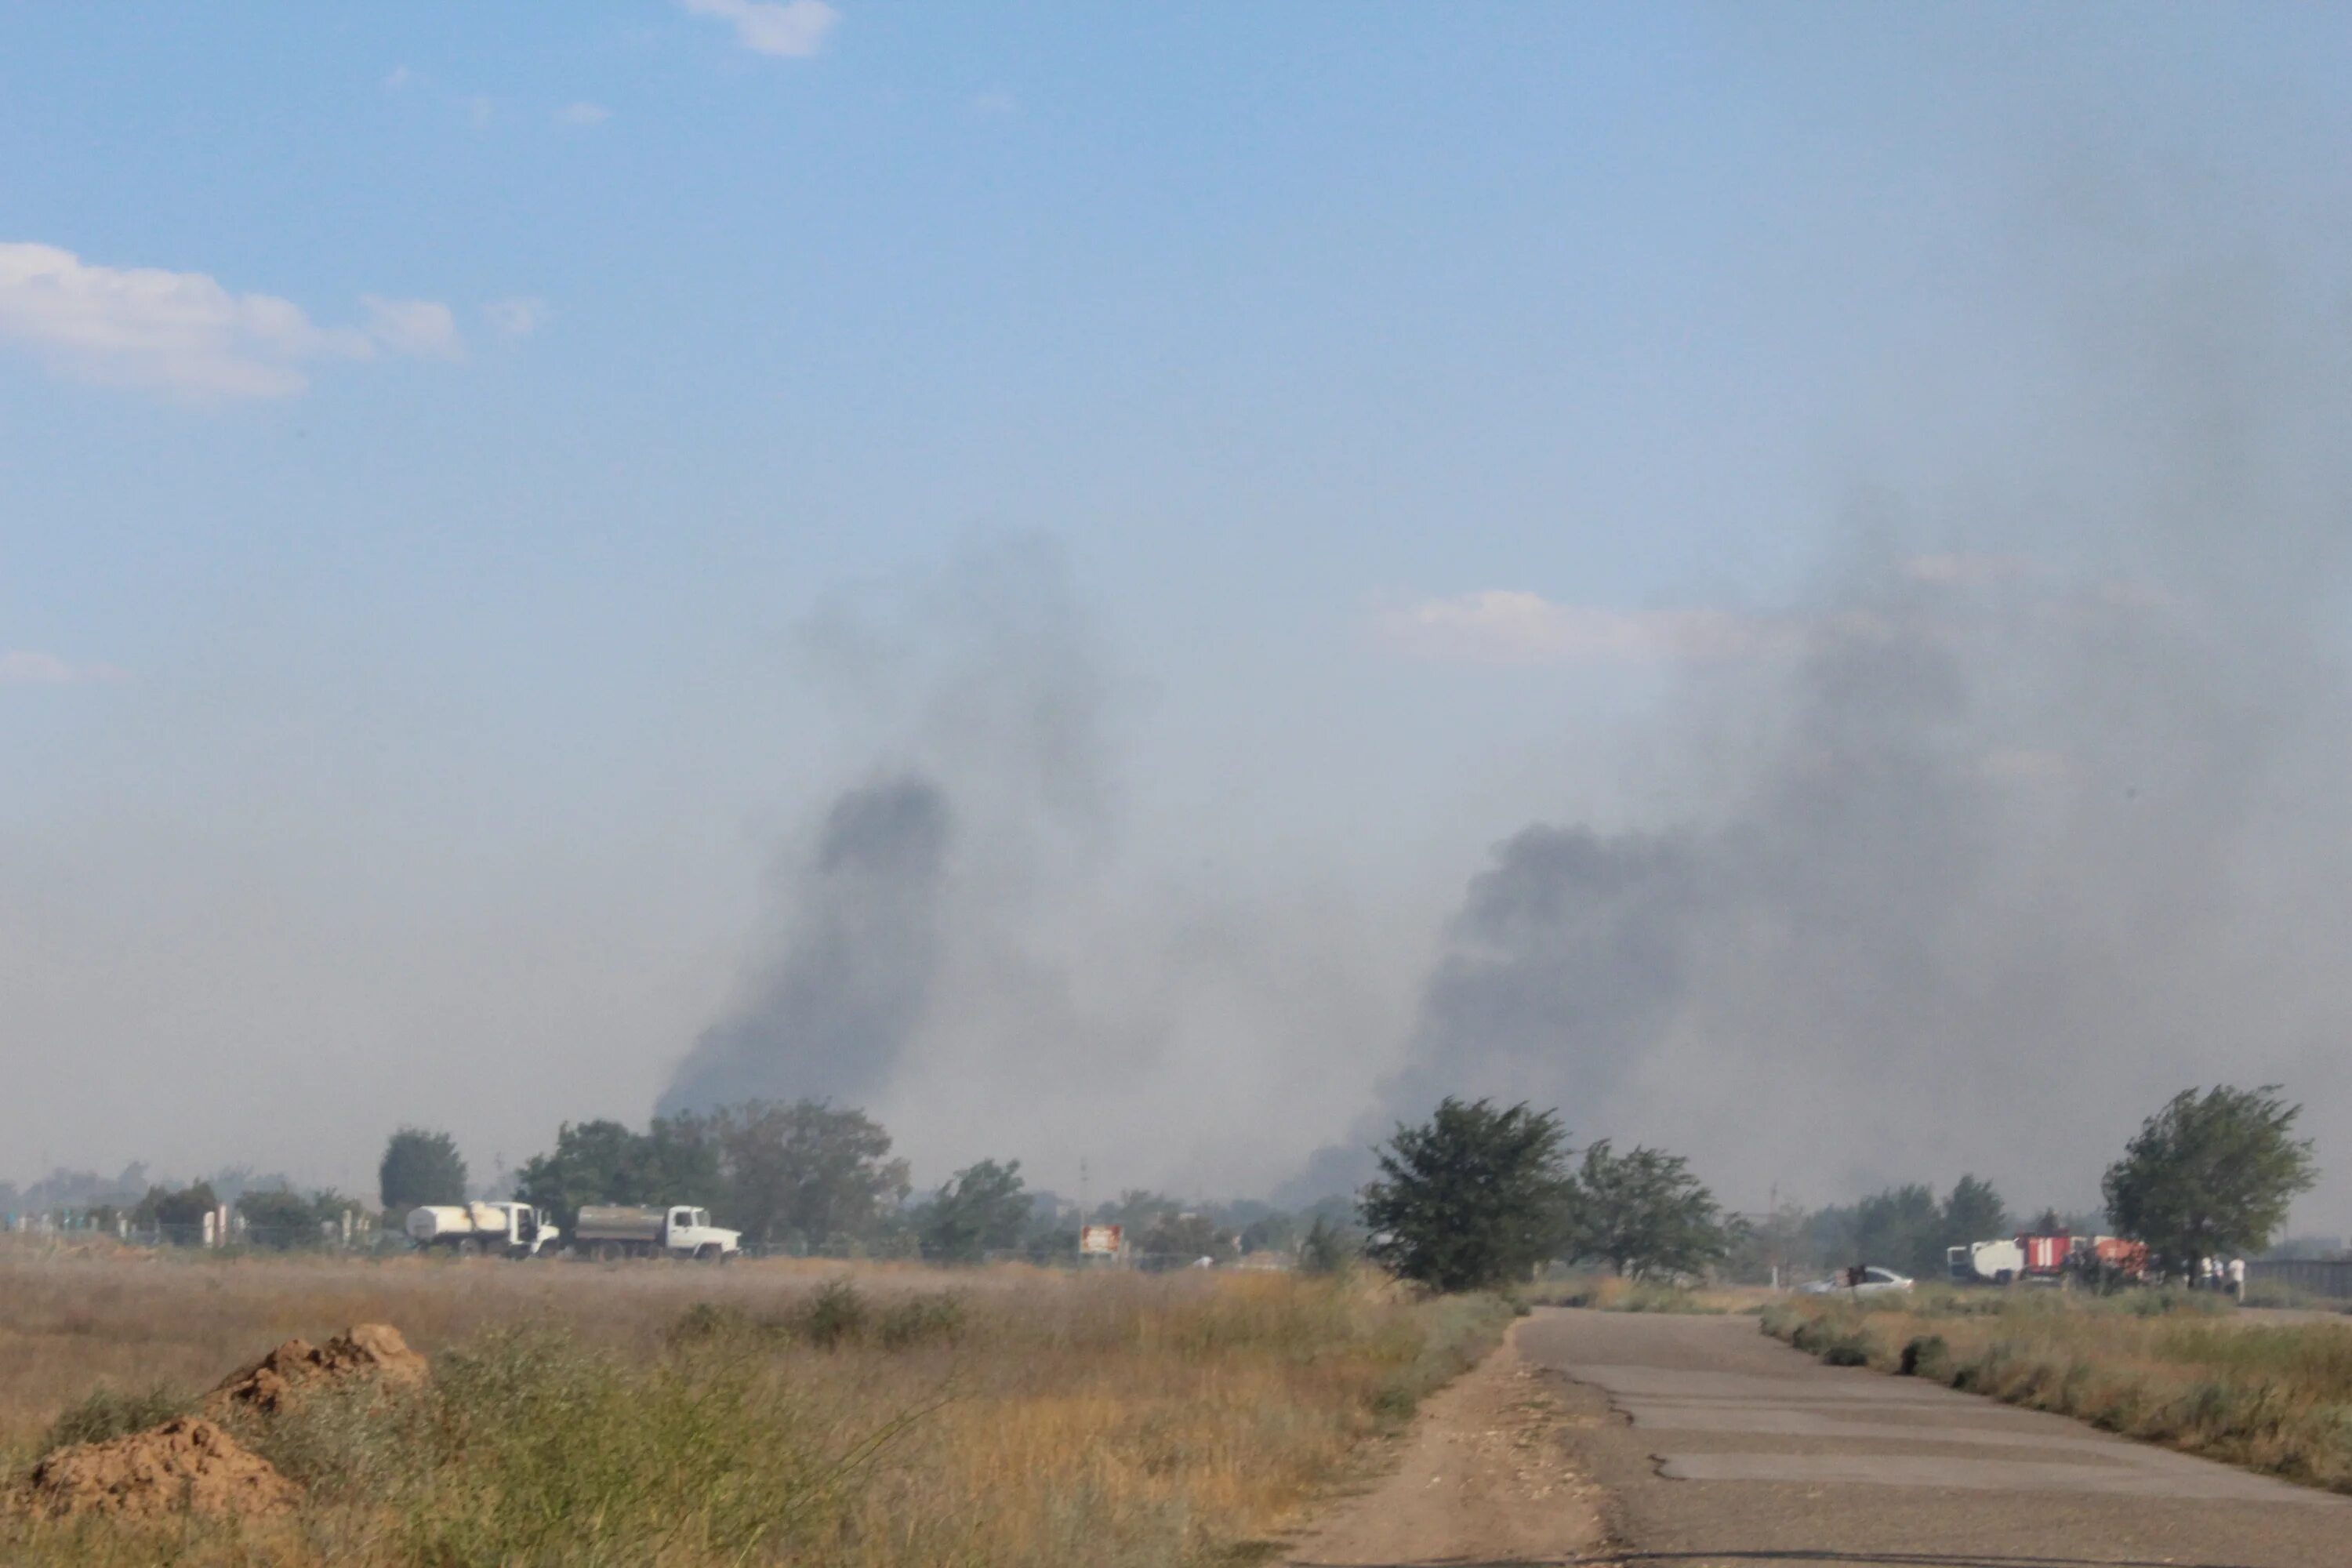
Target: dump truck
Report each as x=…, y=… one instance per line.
x=508, y=1229
x=609, y=1231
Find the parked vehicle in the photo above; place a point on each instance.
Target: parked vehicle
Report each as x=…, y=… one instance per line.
x=609, y=1231
x=1985, y=1262
x=1869, y=1281
x=2048, y=1259
x=508, y=1229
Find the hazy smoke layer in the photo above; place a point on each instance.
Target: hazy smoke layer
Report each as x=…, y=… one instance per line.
x=832, y=1013
x=2028, y=819
x=1999, y=865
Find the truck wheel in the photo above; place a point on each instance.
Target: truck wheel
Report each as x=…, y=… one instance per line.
x=707, y=1252
x=469, y=1249
x=606, y=1252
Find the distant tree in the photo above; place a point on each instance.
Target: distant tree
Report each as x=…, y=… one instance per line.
x=1270, y=1233
x=1973, y=1211
x=1644, y=1214
x=1049, y=1235
x=1173, y=1239
x=983, y=1209
x=1901, y=1228
x=180, y=1215
x=278, y=1220
x=2211, y=1175
x=1473, y=1197
x=675, y=1160
x=419, y=1168
x=1774, y=1250
x=1329, y=1248
x=1137, y=1208
x=807, y=1169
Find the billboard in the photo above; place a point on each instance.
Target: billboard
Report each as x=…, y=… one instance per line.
x=1099, y=1240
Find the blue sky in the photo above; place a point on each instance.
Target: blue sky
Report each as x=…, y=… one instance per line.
x=383, y=654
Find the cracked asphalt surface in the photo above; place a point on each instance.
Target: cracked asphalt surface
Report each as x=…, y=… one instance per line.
x=1715, y=1445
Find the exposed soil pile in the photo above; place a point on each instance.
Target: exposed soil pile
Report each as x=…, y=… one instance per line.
x=188, y=1463
x=373, y=1350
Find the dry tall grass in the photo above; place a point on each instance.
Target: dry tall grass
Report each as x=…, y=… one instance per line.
x=2167, y=1370
x=686, y=1414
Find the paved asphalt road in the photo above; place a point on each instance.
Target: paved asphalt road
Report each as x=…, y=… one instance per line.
x=1719, y=1445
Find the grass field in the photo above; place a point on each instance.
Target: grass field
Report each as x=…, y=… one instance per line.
x=2185, y=1371
x=765, y=1412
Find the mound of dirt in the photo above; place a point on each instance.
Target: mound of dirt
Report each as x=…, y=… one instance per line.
x=188, y=1464
x=372, y=1351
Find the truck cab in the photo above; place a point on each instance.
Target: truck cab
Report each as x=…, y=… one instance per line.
x=688, y=1233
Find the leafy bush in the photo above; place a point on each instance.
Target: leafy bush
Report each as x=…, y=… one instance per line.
x=920, y=1320
x=111, y=1413
x=835, y=1314
x=1927, y=1356
x=1838, y=1337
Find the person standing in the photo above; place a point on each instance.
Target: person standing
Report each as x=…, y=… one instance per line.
x=2237, y=1280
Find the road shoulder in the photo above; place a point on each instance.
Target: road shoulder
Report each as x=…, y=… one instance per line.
x=1480, y=1476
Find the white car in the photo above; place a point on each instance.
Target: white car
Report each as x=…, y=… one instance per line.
x=1871, y=1281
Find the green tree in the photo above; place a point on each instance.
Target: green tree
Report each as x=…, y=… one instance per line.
x=983, y=1209
x=807, y=1169
x=1328, y=1248
x=2211, y=1175
x=1175, y=1240
x=675, y=1160
x=418, y=1168
x=1471, y=1198
x=1270, y=1233
x=180, y=1215
x=1901, y=1228
x=1645, y=1214
x=279, y=1219
x=1973, y=1211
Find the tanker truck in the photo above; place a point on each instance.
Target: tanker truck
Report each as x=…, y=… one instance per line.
x=608, y=1231
x=469, y=1230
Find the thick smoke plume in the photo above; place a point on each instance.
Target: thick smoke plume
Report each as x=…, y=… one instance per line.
x=830, y=1014
x=977, y=690
x=962, y=943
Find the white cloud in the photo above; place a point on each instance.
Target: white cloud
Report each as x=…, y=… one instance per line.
x=518, y=317
x=183, y=332
x=582, y=113
x=22, y=667
x=1506, y=627
x=995, y=104
x=419, y=327
x=397, y=77
x=792, y=29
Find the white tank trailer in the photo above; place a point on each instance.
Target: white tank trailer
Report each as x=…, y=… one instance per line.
x=608, y=1231
x=472, y=1230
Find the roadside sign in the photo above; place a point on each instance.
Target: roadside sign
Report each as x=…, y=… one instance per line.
x=1099, y=1240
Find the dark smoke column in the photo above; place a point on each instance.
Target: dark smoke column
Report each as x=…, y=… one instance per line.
x=828, y=1014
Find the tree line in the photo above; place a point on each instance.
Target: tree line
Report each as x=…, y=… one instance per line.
x=810, y=1176
x=1477, y=1194
x=1481, y=1194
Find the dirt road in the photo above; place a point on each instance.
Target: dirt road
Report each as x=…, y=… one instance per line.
x=1713, y=1444
x=1479, y=1477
